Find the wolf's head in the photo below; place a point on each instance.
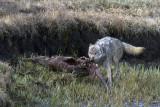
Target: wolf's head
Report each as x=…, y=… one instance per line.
x=94, y=52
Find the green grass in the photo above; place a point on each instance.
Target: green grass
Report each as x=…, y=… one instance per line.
x=102, y=4
x=36, y=84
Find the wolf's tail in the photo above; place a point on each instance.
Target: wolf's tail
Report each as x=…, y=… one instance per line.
x=132, y=49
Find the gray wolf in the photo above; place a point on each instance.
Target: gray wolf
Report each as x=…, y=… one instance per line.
x=108, y=51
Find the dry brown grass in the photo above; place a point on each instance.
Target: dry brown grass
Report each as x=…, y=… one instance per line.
x=35, y=26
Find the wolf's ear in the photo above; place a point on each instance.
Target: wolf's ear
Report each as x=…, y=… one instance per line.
x=90, y=44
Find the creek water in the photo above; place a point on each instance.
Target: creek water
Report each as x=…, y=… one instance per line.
x=141, y=104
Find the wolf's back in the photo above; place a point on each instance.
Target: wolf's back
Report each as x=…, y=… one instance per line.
x=133, y=50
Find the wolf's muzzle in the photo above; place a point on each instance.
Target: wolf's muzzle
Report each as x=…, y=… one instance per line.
x=91, y=59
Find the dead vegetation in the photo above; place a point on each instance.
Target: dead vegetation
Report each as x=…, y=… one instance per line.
x=69, y=32
x=67, y=27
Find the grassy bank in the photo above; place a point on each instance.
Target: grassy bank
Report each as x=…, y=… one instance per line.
x=58, y=28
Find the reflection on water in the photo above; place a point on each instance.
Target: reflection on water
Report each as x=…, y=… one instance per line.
x=85, y=104
x=141, y=104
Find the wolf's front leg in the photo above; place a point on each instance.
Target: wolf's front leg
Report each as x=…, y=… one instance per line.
x=117, y=70
x=107, y=65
